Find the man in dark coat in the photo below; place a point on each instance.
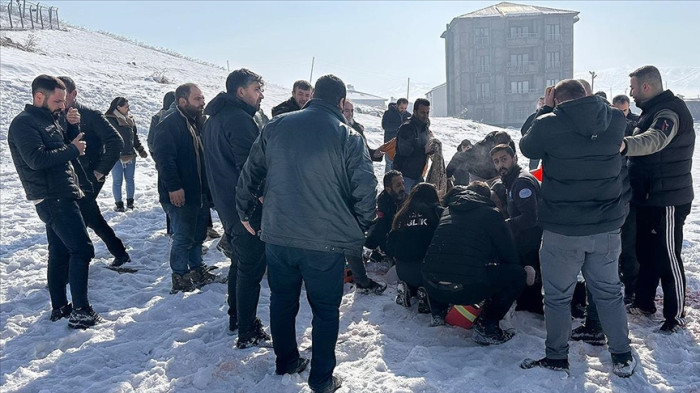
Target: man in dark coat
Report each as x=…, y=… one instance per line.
x=182, y=186
x=472, y=258
x=43, y=163
x=413, y=144
x=168, y=107
x=392, y=119
x=228, y=135
x=660, y=153
x=522, y=190
x=320, y=198
x=582, y=207
x=301, y=94
x=349, y=114
x=103, y=145
x=526, y=126
x=388, y=203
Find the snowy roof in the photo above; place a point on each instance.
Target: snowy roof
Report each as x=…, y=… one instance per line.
x=506, y=9
x=354, y=95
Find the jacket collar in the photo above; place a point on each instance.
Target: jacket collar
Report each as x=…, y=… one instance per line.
x=661, y=97
x=39, y=111
x=327, y=105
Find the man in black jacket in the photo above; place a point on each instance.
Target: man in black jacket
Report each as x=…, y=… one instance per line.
x=349, y=114
x=319, y=198
x=103, y=145
x=168, y=107
x=228, y=135
x=388, y=203
x=472, y=258
x=301, y=94
x=581, y=210
x=522, y=190
x=413, y=144
x=182, y=186
x=526, y=126
x=43, y=163
x=392, y=119
x=660, y=153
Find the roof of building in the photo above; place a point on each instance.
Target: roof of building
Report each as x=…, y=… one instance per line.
x=506, y=9
x=354, y=95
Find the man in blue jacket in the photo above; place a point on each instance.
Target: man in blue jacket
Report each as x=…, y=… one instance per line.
x=228, y=135
x=319, y=197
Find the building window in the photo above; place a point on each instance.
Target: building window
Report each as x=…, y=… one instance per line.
x=552, y=82
x=552, y=32
x=483, y=63
x=518, y=31
x=520, y=87
x=483, y=91
x=518, y=60
x=553, y=60
x=481, y=35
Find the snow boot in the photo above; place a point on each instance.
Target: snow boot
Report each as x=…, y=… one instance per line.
x=423, y=303
x=61, y=312
x=130, y=203
x=552, y=364
x=373, y=287
x=83, y=318
x=120, y=260
x=623, y=364
x=589, y=334
x=335, y=384
x=258, y=339
x=298, y=368
x=201, y=277
x=119, y=207
x=489, y=333
x=182, y=283
x=403, y=295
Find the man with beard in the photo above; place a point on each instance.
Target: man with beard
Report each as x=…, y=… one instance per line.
x=522, y=191
x=301, y=94
x=413, y=144
x=101, y=152
x=388, y=203
x=392, y=119
x=349, y=114
x=182, y=186
x=660, y=153
x=228, y=135
x=43, y=163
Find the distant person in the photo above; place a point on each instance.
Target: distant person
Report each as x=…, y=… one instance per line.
x=410, y=236
x=526, y=126
x=392, y=119
x=319, y=198
x=601, y=94
x=182, y=187
x=586, y=86
x=349, y=114
x=622, y=102
x=228, y=136
x=582, y=206
x=301, y=94
x=168, y=107
x=43, y=162
x=458, y=167
x=413, y=144
x=660, y=153
x=102, y=151
x=118, y=115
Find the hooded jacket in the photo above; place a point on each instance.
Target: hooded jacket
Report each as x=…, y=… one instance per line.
x=392, y=120
x=583, y=186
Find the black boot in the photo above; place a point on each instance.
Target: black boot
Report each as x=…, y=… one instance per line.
x=130, y=203
x=119, y=207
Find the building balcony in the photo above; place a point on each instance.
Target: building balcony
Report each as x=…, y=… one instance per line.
x=523, y=39
x=483, y=69
x=553, y=65
x=527, y=67
x=521, y=92
x=481, y=42
x=552, y=37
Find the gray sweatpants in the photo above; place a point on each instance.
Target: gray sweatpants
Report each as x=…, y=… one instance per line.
x=596, y=256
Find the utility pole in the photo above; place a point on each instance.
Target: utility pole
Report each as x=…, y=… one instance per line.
x=593, y=76
x=408, y=87
x=311, y=77
x=228, y=69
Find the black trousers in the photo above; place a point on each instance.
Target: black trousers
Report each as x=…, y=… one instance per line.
x=629, y=266
x=659, y=244
x=92, y=216
x=530, y=298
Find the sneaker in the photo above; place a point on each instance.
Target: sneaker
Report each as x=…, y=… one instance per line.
x=120, y=260
x=130, y=203
x=635, y=309
x=403, y=297
x=624, y=364
x=258, y=338
x=423, y=303
x=335, y=384
x=83, y=318
x=489, y=333
x=437, y=320
x=298, y=368
x=119, y=207
x=670, y=326
x=373, y=287
x=551, y=364
x=589, y=335
x=212, y=233
x=61, y=312
x=201, y=277
x=182, y=283
x=223, y=246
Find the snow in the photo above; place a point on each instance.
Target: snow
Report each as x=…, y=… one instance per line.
x=156, y=342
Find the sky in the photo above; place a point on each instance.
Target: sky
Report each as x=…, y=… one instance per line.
x=378, y=46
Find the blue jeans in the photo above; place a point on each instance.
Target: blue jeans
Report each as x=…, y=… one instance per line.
x=388, y=163
x=596, y=256
x=120, y=172
x=70, y=251
x=322, y=274
x=189, y=226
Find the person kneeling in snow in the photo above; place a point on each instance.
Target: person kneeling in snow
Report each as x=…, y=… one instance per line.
x=472, y=258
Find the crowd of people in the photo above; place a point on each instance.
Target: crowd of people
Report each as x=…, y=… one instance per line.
x=297, y=198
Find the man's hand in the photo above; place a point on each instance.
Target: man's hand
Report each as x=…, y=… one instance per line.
x=549, y=96
x=261, y=199
x=622, y=146
x=98, y=176
x=73, y=116
x=80, y=144
x=377, y=154
x=177, y=198
x=143, y=153
x=248, y=228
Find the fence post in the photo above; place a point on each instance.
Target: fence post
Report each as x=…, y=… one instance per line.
x=21, y=13
x=58, y=21
x=41, y=15
x=51, y=17
x=9, y=12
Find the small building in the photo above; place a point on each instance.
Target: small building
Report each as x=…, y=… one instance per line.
x=500, y=59
x=359, y=97
x=438, y=100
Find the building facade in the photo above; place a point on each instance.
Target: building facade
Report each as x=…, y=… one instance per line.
x=500, y=59
x=438, y=100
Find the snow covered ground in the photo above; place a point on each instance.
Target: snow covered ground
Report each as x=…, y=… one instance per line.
x=156, y=342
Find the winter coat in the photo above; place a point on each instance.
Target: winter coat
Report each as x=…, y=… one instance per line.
x=228, y=136
x=632, y=120
x=127, y=130
x=288, y=106
x=179, y=159
x=523, y=190
x=409, y=242
x=583, y=189
x=410, y=158
x=386, y=210
x=392, y=119
x=471, y=235
x=459, y=168
x=361, y=130
x=41, y=156
x=320, y=190
x=660, y=153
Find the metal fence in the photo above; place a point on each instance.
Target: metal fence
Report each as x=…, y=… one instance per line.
x=23, y=15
